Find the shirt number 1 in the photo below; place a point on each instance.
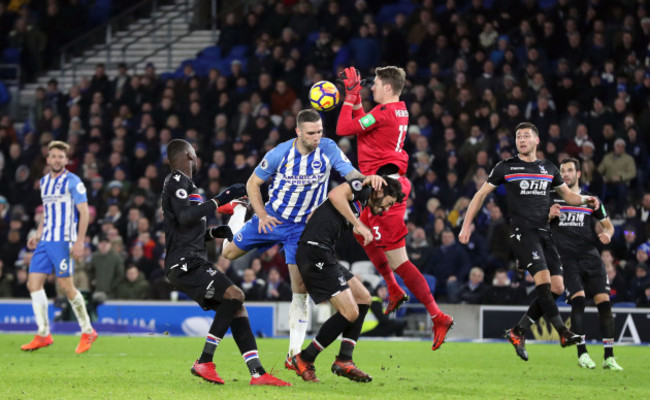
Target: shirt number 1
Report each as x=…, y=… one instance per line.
x=402, y=132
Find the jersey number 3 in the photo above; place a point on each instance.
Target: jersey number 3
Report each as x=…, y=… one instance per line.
x=402, y=135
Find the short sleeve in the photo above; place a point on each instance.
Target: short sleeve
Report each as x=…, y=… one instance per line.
x=77, y=189
x=337, y=158
x=359, y=192
x=270, y=163
x=178, y=194
x=497, y=175
x=557, y=177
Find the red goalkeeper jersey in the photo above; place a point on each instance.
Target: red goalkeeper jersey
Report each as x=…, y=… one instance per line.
x=380, y=133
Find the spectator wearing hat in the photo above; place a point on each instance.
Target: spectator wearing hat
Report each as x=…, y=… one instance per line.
x=105, y=271
x=618, y=169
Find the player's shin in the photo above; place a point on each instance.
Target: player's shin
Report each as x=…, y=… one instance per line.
x=607, y=327
x=222, y=320
x=416, y=283
x=533, y=314
x=379, y=260
x=546, y=302
x=78, y=305
x=236, y=221
x=330, y=330
x=243, y=335
x=577, y=321
x=39, y=305
x=298, y=322
x=351, y=334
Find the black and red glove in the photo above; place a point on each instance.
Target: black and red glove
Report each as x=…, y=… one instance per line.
x=352, y=81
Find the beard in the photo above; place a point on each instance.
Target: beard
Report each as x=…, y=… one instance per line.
x=56, y=171
x=195, y=169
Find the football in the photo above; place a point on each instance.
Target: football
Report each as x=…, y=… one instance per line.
x=324, y=96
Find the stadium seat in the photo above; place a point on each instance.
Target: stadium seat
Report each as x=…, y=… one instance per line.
x=363, y=268
x=212, y=53
x=5, y=96
x=372, y=281
x=624, y=304
x=11, y=55
x=387, y=12
x=238, y=52
x=100, y=12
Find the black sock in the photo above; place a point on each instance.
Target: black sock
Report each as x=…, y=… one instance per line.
x=219, y=327
x=577, y=321
x=351, y=334
x=546, y=302
x=243, y=335
x=532, y=315
x=328, y=333
x=607, y=327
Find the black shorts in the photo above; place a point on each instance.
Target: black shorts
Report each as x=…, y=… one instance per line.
x=200, y=280
x=324, y=277
x=535, y=251
x=588, y=274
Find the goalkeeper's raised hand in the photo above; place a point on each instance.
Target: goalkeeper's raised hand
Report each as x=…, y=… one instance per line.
x=352, y=81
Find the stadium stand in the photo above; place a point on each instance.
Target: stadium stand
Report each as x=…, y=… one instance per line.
x=578, y=70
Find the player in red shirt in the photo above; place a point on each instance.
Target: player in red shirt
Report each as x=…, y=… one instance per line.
x=380, y=135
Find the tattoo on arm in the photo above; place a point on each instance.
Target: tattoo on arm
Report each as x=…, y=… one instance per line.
x=354, y=175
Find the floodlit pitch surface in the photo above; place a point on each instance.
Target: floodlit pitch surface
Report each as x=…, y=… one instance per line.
x=159, y=368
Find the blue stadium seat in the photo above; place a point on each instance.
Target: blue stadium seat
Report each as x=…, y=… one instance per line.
x=5, y=96
x=165, y=76
x=211, y=53
x=100, y=12
x=387, y=12
x=239, y=52
x=11, y=55
x=624, y=304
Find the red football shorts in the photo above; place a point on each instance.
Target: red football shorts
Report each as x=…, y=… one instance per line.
x=389, y=229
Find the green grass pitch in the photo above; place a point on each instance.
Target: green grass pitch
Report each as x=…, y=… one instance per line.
x=159, y=368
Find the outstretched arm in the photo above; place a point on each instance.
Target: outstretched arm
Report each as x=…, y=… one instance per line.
x=574, y=199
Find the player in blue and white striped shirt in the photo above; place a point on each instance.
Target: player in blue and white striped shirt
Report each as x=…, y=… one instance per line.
x=58, y=241
x=299, y=170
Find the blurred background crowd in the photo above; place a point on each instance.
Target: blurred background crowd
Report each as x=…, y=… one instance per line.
x=578, y=69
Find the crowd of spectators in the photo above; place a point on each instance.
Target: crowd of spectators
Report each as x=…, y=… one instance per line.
x=39, y=28
x=577, y=70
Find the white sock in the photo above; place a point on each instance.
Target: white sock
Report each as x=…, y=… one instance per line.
x=79, y=307
x=39, y=304
x=236, y=221
x=298, y=322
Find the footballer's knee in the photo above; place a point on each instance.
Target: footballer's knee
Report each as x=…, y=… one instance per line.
x=234, y=293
